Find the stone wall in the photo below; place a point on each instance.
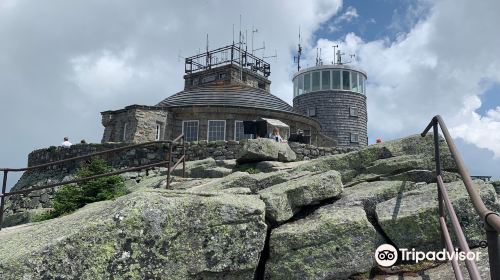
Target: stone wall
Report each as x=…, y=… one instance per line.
x=135, y=124
x=219, y=150
x=332, y=111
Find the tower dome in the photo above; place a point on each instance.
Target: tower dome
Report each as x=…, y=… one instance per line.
x=334, y=95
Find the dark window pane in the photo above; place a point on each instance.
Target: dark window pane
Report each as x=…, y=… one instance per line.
x=315, y=80
x=325, y=80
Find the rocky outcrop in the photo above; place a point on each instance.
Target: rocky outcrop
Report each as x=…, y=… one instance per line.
x=144, y=235
x=332, y=243
x=410, y=220
x=255, y=219
x=285, y=199
x=255, y=150
x=205, y=168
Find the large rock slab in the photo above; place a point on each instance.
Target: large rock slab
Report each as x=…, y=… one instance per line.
x=410, y=220
x=368, y=194
x=388, y=158
x=332, y=243
x=145, y=235
x=205, y=168
x=262, y=149
x=285, y=199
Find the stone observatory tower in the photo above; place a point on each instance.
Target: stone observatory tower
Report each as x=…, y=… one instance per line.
x=334, y=95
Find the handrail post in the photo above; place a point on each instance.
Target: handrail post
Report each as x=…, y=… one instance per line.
x=2, y=199
x=493, y=239
x=437, y=159
x=184, y=157
x=169, y=161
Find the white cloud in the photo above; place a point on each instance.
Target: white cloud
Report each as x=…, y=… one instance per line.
x=64, y=63
x=438, y=67
x=350, y=14
x=104, y=73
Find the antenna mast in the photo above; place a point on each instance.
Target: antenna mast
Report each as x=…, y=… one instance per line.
x=334, y=47
x=299, y=54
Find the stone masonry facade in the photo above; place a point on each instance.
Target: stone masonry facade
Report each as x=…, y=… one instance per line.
x=135, y=124
x=342, y=114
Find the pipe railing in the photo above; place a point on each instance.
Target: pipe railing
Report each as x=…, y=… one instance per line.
x=167, y=162
x=491, y=219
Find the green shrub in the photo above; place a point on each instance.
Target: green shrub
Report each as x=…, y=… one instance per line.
x=249, y=168
x=72, y=197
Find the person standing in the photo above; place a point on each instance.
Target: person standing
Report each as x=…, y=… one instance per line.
x=276, y=135
x=66, y=143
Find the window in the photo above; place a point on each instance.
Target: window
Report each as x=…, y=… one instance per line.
x=307, y=132
x=354, y=77
x=354, y=138
x=190, y=130
x=361, y=84
x=295, y=87
x=311, y=112
x=239, y=132
x=216, y=130
x=353, y=111
x=124, y=136
x=325, y=80
x=315, y=80
x=222, y=76
x=158, y=132
x=346, y=80
x=307, y=83
x=301, y=85
x=336, y=79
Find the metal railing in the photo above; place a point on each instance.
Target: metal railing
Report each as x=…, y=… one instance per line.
x=491, y=219
x=167, y=162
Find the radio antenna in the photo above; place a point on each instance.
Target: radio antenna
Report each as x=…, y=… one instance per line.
x=254, y=30
x=334, y=47
x=296, y=59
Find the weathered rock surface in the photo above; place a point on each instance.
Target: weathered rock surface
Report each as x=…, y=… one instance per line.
x=144, y=235
x=205, y=168
x=285, y=199
x=332, y=243
x=411, y=219
x=262, y=149
x=329, y=214
x=385, y=159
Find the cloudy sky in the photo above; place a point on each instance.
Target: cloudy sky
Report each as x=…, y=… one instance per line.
x=63, y=62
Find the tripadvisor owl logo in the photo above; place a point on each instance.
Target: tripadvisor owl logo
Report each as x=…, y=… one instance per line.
x=386, y=255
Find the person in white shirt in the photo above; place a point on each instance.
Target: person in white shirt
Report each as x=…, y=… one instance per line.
x=276, y=135
x=66, y=143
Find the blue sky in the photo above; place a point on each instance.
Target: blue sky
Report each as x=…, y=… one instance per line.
x=390, y=21
x=59, y=70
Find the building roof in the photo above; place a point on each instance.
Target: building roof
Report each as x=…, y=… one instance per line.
x=275, y=122
x=227, y=95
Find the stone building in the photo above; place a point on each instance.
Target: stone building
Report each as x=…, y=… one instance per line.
x=227, y=86
x=334, y=95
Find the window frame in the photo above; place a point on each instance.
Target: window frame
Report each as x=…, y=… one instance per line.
x=356, y=135
x=235, y=126
x=197, y=129
x=349, y=86
x=318, y=76
x=353, y=109
x=124, y=134
x=158, y=132
x=309, y=109
x=329, y=74
x=208, y=129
